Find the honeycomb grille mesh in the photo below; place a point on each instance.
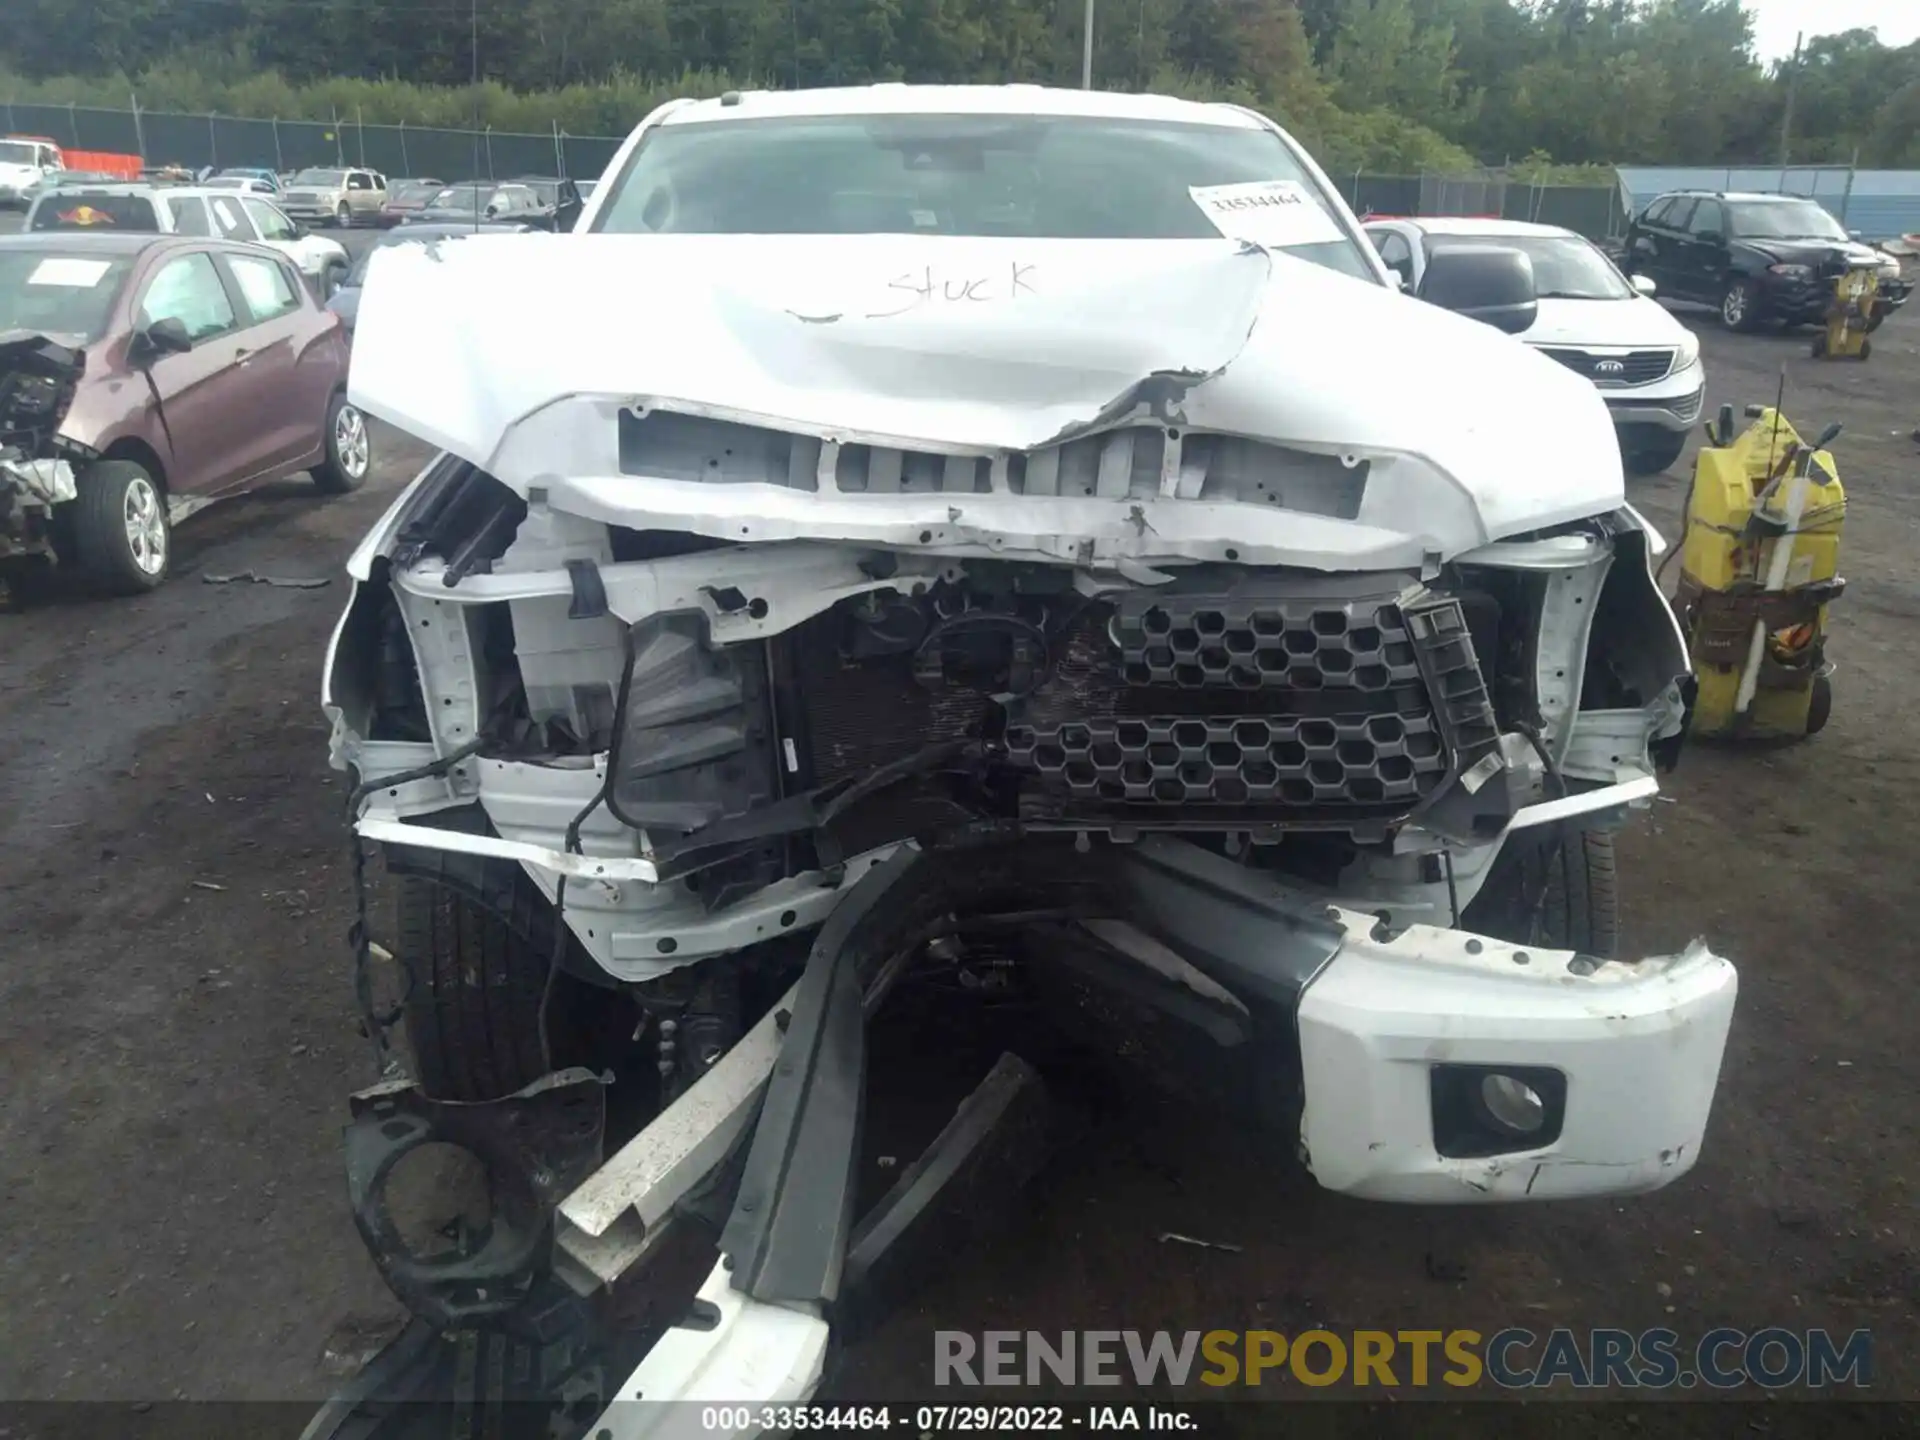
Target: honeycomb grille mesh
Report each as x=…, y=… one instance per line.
x=1292, y=644
x=1344, y=760
x=1254, y=701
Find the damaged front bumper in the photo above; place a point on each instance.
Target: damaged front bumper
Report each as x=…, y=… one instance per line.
x=37, y=380
x=1403, y=1040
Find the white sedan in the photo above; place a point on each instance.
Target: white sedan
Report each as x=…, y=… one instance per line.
x=1593, y=320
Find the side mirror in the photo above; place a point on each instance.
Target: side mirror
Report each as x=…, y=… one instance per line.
x=1489, y=283
x=1644, y=285
x=492, y=211
x=162, y=337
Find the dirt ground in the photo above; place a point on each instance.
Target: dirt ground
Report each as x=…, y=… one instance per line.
x=177, y=1034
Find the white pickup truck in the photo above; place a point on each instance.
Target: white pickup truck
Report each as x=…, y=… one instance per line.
x=900, y=503
x=24, y=164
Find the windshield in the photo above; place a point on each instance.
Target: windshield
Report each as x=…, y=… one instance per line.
x=1782, y=220
x=231, y=182
x=1564, y=267
x=58, y=291
x=1073, y=177
x=413, y=190
x=461, y=197
x=15, y=152
x=330, y=178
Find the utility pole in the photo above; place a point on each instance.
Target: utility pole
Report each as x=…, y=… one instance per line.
x=1086, y=50
x=1786, y=120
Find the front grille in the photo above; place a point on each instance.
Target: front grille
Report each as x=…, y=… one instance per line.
x=1338, y=761
x=1275, y=701
x=1634, y=367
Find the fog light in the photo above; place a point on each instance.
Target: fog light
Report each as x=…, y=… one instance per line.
x=1511, y=1105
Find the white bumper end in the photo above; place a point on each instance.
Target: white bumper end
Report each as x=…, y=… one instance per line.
x=1639, y=1046
x=754, y=1354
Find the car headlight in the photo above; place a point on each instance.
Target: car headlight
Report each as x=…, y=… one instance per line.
x=1889, y=266
x=1791, y=272
x=1689, y=351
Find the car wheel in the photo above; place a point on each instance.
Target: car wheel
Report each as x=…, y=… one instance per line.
x=343, y=217
x=121, y=531
x=475, y=980
x=1819, y=705
x=331, y=279
x=1552, y=885
x=349, y=449
x=1819, y=347
x=1654, y=450
x=1740, y=306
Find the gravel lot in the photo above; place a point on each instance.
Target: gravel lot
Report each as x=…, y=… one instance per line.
x=177, y=1037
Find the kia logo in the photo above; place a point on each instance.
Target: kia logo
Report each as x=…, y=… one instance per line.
x=1609, y=367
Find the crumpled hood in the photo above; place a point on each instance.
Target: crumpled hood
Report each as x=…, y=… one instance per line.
x=972, y=344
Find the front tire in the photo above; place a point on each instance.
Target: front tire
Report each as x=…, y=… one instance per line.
x=343, y=216
x=331, y=279
x=1559, y=888
x=475, y=986
x=121, y=530
x=1653, y=450
x=1740, y=307
x=349, y=456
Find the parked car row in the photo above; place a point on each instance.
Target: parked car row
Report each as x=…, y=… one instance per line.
x=147, y=374
x=206, y=210
x=1756, y=259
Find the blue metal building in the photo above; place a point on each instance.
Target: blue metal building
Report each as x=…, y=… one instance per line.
x=1880, y=204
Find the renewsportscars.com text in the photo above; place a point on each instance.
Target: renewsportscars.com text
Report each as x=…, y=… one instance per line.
x=1721, y=1359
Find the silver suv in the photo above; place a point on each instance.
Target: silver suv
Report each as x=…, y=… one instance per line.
x=341, y=196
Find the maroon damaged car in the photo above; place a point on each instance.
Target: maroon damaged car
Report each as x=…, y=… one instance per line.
x=143, y=377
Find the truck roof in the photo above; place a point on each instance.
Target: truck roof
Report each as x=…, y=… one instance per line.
x=897, y=98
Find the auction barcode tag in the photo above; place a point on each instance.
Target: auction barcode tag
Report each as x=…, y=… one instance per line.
x=1266, y=212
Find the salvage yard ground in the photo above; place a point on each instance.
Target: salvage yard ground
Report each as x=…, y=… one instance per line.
x=177, y=1035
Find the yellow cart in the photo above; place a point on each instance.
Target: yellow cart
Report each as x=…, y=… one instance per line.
x=1759, y=566
x=1849, y=316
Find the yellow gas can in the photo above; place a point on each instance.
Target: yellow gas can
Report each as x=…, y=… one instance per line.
x=1759, y=566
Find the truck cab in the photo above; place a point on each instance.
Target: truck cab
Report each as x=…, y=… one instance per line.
x=25, y=161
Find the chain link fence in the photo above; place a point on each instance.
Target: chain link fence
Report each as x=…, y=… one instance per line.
x=164, y=138
x=1596, y=211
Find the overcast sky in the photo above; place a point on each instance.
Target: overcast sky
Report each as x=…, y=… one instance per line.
x=1776, y=21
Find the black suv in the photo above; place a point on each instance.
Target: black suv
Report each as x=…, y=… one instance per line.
x=1754, y=258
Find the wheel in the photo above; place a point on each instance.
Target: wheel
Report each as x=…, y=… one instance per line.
x=1653, y=450
x=1819, y=704
x=1866, y=348
x=1820, y=345
x=331, y=279
x=349, y=449
x=120, y=527
x=343, y=216
x=1552, y=885
x=1740, y=306
x=475, y=985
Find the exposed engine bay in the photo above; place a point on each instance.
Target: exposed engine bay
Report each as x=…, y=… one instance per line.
x=37, y=381
x=759, y=714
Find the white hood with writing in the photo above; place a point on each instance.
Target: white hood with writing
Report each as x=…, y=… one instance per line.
x=518, y=353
